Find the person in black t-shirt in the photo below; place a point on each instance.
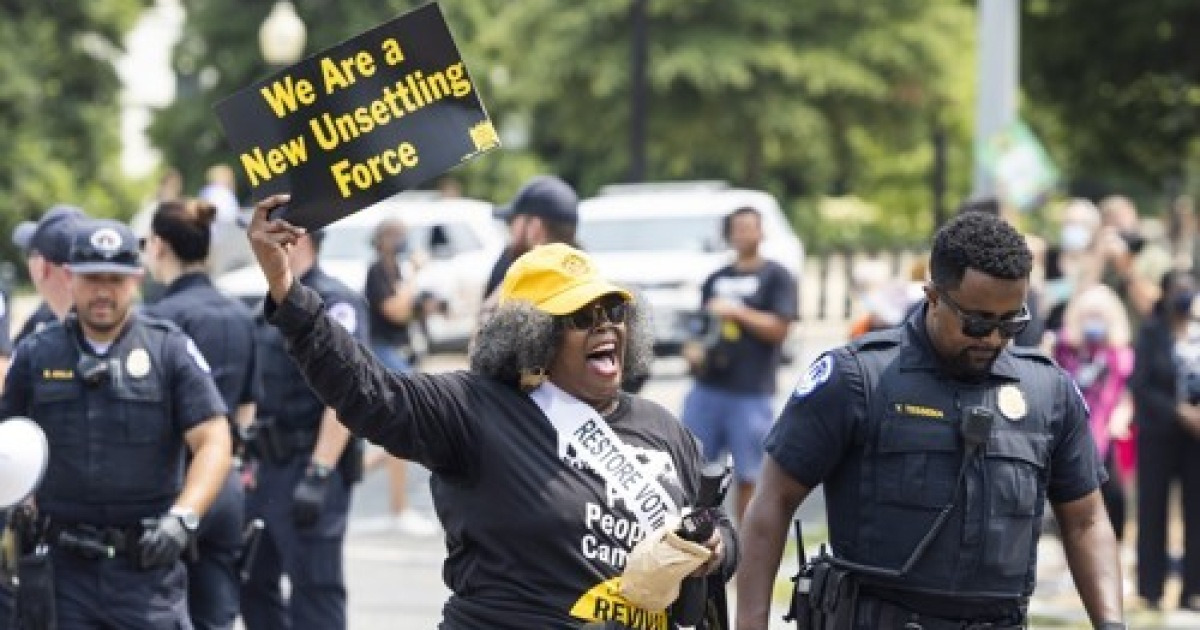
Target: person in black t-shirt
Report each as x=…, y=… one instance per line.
x=545, y=475
x=751, y=304
x=392, y=301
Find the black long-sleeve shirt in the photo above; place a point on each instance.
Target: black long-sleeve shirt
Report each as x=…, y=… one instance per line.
x=1154, y=381
x=533, y=540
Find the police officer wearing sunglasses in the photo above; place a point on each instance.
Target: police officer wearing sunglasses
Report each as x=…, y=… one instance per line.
x=938, y=444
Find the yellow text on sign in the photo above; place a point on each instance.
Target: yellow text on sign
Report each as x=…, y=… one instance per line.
x=363, y=175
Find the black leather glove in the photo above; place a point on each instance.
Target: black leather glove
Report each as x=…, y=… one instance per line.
x=163, y=542
x=309, y=497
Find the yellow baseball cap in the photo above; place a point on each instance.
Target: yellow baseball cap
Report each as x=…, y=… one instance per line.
x=557, y=279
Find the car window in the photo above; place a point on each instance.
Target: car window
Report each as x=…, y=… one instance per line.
x=634, y=234
x=347, y=243
x=462, y=238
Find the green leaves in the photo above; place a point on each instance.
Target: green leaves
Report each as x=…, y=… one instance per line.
x=59, y=108
x=801, y=98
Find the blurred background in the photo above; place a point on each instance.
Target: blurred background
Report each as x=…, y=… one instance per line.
x=865, y=120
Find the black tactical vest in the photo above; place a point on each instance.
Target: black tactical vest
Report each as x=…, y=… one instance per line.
x=286, y=395
x=912, y=454
x=116, y=454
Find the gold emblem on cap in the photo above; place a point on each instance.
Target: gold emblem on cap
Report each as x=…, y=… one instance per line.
x=575, y=265
x=137, y=363
x=1012, y=402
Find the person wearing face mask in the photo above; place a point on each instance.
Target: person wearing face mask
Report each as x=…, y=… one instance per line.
x=1094, y=348
x=1167, y=402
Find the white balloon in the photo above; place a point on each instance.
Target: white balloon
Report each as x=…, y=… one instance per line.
x=23, y=457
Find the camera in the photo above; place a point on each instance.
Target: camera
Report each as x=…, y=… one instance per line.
x=93, y=370
x=698, y=525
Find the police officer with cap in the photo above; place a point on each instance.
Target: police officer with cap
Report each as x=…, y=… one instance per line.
x=938, y=444
x=545, y=210
x=120, y=396
x=308, y=463
x=47, y=246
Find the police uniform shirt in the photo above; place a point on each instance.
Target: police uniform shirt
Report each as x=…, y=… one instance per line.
x=535, y=537
x=222, y=328
x=287, y=397
x=115, y=457
x=35, y=322
x=911, y=454
x=740, y=361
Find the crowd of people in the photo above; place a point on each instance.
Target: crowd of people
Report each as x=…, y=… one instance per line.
x=201, y=451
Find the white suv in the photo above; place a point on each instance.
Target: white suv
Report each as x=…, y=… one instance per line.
x=459, y=238
x=664, y=240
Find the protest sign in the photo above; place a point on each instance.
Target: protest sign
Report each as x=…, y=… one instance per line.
x=375, y=115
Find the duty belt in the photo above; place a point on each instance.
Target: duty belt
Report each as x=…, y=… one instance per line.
x=93, y=542
x=891, y=616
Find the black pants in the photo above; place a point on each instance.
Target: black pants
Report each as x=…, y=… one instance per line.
x=1166, y=454
x=213, y=586
x=1113, y=493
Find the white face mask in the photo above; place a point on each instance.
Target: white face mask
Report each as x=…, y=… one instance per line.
x=1075, y=237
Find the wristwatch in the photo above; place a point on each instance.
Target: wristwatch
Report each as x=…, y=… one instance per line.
x=187, y=516
x=318, y=470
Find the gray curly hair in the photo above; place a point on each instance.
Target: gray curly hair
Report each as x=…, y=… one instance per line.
x=519, y=340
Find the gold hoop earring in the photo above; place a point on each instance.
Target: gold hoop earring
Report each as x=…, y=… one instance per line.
x=532, y=378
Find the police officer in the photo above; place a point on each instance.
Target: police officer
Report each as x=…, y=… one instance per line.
x=47, y=245
x=938, y=445
x=176, y=254
x=119, y=395
x=308, y=465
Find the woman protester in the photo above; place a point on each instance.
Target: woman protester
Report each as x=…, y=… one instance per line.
x=1166, y=395
x=1094, y=347
x=548, y=480
x=176, y=254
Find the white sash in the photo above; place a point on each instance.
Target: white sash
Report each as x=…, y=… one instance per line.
x=597, y=446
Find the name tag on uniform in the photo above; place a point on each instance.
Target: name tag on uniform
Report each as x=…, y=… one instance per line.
x=920, y=411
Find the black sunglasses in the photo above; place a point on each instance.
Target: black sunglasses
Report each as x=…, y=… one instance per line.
x=979, y=327
x=589, y=317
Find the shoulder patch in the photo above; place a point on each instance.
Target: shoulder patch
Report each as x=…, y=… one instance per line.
x=817, y=375
x=197, y=357
x=344, y=314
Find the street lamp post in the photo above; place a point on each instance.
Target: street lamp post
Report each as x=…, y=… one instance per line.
x=996, y=76
x=282, y=35
x=638, y=92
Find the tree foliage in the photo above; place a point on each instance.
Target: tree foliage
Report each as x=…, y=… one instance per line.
x=59, y=107
x=803, y=99
x=1113, y=87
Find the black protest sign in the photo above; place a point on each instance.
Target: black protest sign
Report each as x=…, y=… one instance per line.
x=375, y=115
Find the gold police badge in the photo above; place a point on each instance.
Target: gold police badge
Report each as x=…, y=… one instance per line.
x=138, y=363
x=1011, y=401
